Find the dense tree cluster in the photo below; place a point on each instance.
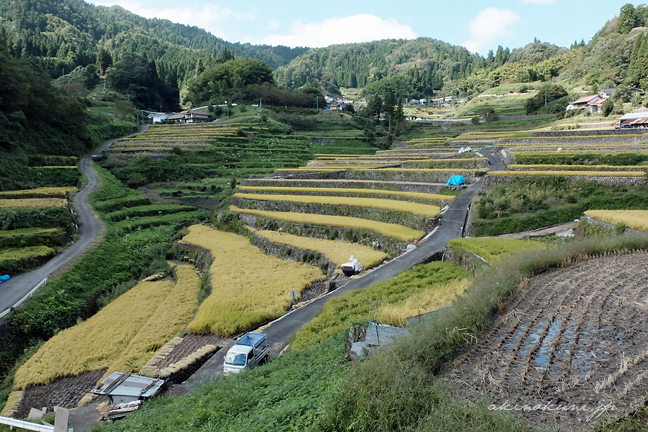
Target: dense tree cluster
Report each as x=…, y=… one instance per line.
x=64, y=34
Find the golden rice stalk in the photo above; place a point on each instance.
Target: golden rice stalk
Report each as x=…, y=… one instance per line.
x=494, y=250
x=32, y=203
x=41, y=191
x=337, y=251
x=96, y=343
x=26, y=231
x=424, y=210
x=637, y=219
x=170, y=318
x=546, y=167
x=420, y=195
x=396, y=231
x=248, y=286
x=420, y=303
x=26, y=252
x=150, y=368
x=13, y=403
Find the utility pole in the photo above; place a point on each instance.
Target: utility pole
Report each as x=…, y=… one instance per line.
x=227, y=106
x=545, y=97
x=317, y=101
x=260, y=104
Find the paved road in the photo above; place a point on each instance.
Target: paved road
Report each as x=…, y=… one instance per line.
x=280, y=330
x=16, y=287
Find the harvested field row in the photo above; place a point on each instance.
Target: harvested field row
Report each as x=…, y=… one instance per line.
x=573, y=337
x=12, y=254
x=395, y=231
x=424, y=210
x=248, y=286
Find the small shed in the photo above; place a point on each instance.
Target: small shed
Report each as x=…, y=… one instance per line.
x=125, y=387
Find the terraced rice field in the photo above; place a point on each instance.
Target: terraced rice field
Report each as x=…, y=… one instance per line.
x=31, y=203
x=569, y=173
x=424, y=210
x=554, y=167
x=336, y=251
x=573, y=337
x=637, y=219
x=395, y=231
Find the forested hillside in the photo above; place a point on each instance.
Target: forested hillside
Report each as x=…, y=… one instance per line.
x=61, y=35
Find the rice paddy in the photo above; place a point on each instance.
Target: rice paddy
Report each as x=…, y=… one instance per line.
x=637, y=219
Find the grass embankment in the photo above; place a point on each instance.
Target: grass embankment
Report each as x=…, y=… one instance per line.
x=424, y=210
x=637, y=219
x=337, y=251
x=398, y=232
x=248, y=286
x=285, y=394
x=528, y=203
x=333, y=190
x=494, y=250
x=360, y=306
x=121, y=337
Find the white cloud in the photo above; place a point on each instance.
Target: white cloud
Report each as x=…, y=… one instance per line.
x=210, y=17
x=356, y=28
x=490, y=27
x=541, y=2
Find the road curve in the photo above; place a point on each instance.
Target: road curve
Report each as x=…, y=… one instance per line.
x=89, y=227
x=280, y=330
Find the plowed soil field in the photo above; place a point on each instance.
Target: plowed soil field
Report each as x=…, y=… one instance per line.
x=571, y=346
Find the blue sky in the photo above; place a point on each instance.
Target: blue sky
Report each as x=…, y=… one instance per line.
x=477, y=25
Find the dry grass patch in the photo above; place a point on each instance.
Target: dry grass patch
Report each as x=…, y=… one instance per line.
x=424, y=210
x=96, y=343
x=420, y=195
x=637, y=219
x=337, y=251
x=248, y=286
x=26, y=231
x=395, y=231
x=32, y=203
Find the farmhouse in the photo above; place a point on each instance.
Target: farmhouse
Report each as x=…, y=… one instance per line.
x=634, y=120
x=582, y=103
x=606, y=92
x=190, y=116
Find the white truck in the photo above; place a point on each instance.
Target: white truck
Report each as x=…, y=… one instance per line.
x=249, y=351
x=352, y=267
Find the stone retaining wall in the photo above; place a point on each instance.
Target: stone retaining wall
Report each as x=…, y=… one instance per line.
x=491, y=181
x=395, y=186
x=463, y=258
x=600, y=132
x=292, y=253
x=379, y=215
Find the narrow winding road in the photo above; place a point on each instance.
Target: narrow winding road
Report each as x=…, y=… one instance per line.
x=89, y=227
x=280, y=330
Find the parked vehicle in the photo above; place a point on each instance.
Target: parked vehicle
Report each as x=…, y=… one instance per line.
x=352, y=267
x=249, y=351
x=4, y=278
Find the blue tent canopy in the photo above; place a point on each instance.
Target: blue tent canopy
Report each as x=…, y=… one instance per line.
x=4, y=278
x=456, y=181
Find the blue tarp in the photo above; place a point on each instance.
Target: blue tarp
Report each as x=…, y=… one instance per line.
x=456, y=181
x=4, y=278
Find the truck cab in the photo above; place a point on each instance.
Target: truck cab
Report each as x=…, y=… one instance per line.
x=249, y=351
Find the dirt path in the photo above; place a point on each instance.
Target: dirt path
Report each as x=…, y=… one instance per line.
x=89, y=229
